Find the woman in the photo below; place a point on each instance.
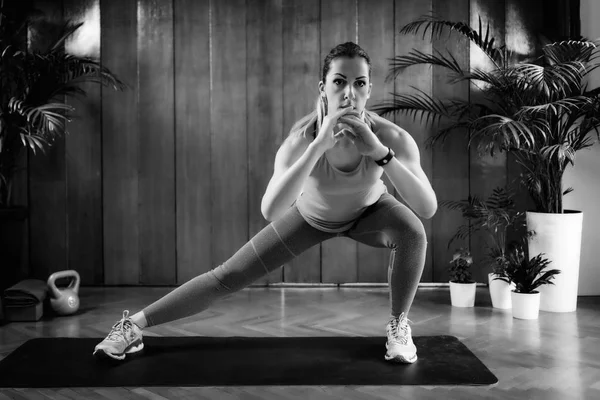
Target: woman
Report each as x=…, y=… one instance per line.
x=326, y=183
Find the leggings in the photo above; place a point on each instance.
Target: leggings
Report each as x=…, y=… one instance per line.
x=386, y=223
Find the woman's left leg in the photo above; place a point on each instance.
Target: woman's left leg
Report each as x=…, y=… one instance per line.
x=389, y=223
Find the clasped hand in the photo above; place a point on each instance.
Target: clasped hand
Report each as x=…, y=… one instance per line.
x=366, y=142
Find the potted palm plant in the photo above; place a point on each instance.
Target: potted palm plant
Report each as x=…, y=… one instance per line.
x=528, y=275
x=462, y=286
x=538, y=109
x=493, y=216
x=34, y=87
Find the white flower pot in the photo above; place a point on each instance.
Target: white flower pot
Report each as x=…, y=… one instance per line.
x=525, y=305
x=500, y=292
x=559, y=237
x=462, y=294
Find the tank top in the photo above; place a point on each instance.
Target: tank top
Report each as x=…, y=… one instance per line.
x=331, y=199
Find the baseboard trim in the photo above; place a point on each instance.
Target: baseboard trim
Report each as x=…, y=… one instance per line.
x=348, y=285
x=427, y=285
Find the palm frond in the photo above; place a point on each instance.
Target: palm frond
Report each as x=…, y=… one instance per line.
x=501, y=133
x=33, y=141
x=79, y=70
x=462, y=233
x=417, y=57
x=556, y=108
x=558, y=153
x=68, y=29
x=438, y=26
x=415, y=105
x=552, y=81
x=442, y=134
x=579, y=137
x=49, y=119
x=478, y=74
x=569, y=50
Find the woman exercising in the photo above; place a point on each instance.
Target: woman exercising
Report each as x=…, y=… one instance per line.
x=326, y=183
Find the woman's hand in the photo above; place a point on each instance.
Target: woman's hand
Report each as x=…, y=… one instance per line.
x=362, y=136
x=326, y=139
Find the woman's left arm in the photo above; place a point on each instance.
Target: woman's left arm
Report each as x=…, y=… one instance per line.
x=405, y=171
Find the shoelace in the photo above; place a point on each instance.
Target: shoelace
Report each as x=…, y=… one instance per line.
x=397, y=326
x=120, y=329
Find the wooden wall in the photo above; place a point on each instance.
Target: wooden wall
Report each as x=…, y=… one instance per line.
x=162, y=182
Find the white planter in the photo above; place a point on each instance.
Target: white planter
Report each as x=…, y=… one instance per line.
x=559, y=237
x=525, y=305
x=462, y=294
x=500, y=292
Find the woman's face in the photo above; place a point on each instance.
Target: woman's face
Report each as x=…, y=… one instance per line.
x=347, y=82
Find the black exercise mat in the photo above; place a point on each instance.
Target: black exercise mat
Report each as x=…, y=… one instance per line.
x=226, y=361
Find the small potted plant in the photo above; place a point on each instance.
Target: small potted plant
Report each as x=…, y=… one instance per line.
x=493, y=216
x=528, y=274
x=500, y=290
x=462, y=286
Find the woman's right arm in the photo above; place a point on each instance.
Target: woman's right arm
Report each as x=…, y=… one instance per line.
x=294, y=161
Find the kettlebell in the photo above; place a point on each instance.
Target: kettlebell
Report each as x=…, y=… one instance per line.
x=64, y=301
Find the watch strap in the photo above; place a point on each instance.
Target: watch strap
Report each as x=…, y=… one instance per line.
x=385, y=160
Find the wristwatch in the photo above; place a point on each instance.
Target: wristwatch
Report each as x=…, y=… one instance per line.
x=386, y=159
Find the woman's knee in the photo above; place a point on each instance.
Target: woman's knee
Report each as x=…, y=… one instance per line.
x=411, y=232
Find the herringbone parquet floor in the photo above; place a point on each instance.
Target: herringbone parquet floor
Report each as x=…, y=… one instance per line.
x=554, y=357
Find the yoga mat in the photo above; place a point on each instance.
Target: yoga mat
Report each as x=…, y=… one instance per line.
x=226, y=361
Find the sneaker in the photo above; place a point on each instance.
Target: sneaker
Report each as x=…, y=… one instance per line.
x=400, y=346
x=124, y=338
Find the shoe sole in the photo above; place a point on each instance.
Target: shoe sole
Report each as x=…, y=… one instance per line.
x=102, y=353
x=401, y=359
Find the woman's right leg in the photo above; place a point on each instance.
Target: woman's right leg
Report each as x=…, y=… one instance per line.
x=277, y=243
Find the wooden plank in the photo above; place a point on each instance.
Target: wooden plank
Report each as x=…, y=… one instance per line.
x=20, y=194
x=47, y=183
x=156, y=146
x=407, y=11
x=486, y=172
x=301, y=71
x=83, y=152
x=192, y=117
x=339, y=256
x=374, y=38
x=120, y=140
x=451, y=162
x=228, y=129
x=523, y=23
x=264, y=107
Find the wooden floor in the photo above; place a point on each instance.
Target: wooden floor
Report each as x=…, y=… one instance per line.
x=554, y=357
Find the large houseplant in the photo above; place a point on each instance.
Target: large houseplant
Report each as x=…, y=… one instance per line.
x=539, y=110
x=33, y=90
x=494, y=216
x=34, y=87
